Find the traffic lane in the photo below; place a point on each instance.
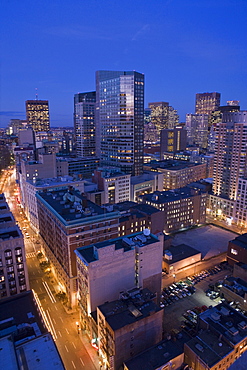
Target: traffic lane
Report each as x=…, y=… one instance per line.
x=62, y=325
x=173, y=314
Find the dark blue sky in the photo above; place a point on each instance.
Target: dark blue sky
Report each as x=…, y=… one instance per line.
x=182, y=46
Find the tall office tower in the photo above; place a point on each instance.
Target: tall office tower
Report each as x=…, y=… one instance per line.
x=37, y=113
x=159, y=115
x=173, y=118
x=84, y=123
x=206, y=103
x=230, y=162
x=120, y=119
x=197, y=130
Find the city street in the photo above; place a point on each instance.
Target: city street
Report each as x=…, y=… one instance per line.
x=73, y=345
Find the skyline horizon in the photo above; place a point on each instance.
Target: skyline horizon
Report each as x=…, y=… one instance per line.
x=183, y=48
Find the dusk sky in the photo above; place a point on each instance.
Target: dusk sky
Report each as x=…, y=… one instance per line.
x=182, y=46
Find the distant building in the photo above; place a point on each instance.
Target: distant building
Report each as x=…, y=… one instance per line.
x=178, y=174
x=84, y=124
x=206, y=103
x=120, y=120
x=67, y=220
x=113, y=266
x=37, y=112
x=173, y=140
x=159, y=115
x=134, y=320
x=13, y=268
x=182, y=208
x=197, y=130
x=144, y=184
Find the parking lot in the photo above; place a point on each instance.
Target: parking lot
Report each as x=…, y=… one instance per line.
x=174, y=310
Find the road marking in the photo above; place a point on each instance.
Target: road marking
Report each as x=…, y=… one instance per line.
x=52, y=327
x=67, y=330
x=55, y=308
x=54, y=321
x=73, y=364
x=61, y=318
x=66, y=348
x=73, y=345
x=59, y=333
x=82, y=362
x=48, y=291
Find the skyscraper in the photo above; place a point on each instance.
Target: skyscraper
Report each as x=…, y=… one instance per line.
x=230, y=154
x=84, y=123
x=206, y=103
x=159, y=115
x=197, y=130
x=120, y=119
x=37, y=113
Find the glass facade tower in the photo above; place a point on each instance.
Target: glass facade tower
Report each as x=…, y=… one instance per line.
x=84, y=123
x=120, y=120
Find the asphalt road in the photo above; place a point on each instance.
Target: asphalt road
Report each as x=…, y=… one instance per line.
x=74, y=348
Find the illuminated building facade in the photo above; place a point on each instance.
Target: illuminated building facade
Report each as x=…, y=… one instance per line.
x=197, y=130
x=84, y=123
x=206, y=103
x=159, y=115
x=172, y=140
x=120, y=120
x=37, y=113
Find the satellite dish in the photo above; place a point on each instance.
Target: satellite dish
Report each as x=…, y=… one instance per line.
x=146, y=232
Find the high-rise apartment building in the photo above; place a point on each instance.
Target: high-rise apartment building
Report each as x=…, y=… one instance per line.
x=84, y=123
x=37, y=113
x=206, y=103
x=120, y=119
x=230, y=154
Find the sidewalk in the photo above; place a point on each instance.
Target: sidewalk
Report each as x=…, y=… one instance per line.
x=90, y=350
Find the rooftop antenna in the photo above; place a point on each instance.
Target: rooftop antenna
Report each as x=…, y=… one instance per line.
x=36, y=93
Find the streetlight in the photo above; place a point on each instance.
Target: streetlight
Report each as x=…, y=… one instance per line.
x=174, y=276
x=78, y=327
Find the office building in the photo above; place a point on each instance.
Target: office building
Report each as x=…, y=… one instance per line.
x=67, y=220
x=114, y=184
x=206, y=103
x=13, y=268
x=178, y=174
x=172, y=140
x=159, y=115
x=128, y=326
x=237, y=250
x=180, y=257
x=182, y=208
x=120, y=120
x=113, y=266
x=37, y=113
x=84, y=123
x=197, y=130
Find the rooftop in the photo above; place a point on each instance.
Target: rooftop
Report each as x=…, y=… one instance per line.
x=209, y=347
x=171, y=165
x=240, y=240
x=160, y=354
x=9, y=233
x=70, y=206
x=129, y=309
x=180, y=252
x=89, y=253
x=227, y=322
x=160, y=197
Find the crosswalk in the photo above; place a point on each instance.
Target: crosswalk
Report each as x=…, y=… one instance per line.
x=31, y=255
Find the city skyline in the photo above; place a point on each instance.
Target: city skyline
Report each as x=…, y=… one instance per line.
x=182, y=48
